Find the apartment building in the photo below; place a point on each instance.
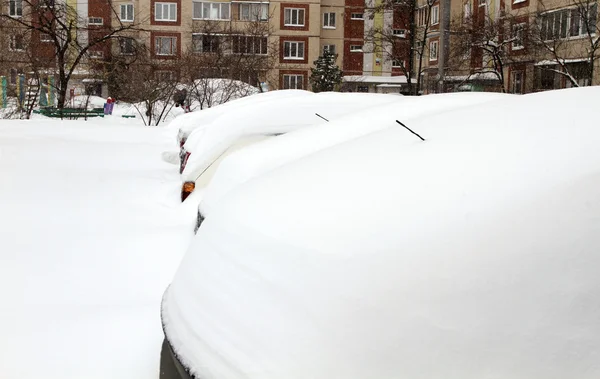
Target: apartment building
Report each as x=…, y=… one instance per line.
x=533, y=45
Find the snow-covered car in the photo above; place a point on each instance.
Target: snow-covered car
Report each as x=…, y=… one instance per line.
x=260, y=120
x=185, y=124
x=252, y=161
x=471, y=254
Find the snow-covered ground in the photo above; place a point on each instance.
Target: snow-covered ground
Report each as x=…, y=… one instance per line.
x=91, y=232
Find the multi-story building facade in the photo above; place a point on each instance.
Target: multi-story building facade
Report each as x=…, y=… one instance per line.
x=546, y=43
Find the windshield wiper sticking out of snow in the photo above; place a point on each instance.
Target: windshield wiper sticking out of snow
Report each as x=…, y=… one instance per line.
x=422, y=139
x=322, y=117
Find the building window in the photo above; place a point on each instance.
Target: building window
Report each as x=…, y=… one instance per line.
x=293, y=50
x=127, y=46
x=567, y=23
x=293, y=81
x=397, y=63
x=96, y=54
x=254, y=12
x=356, y=48
x=435, y=15
x=293, y=17
x=518, y=31
x=16, y=43
x=329, y=20
x=329, y=49
x=211, y=11
x=165, y=46
x=357, y=16
x=401, y=33
x=206, y=43
x=249, y=45
x=482, y=3
x=433, y=50
x=165, y=11
x=467, y=11
x=126, y=13
x=421, y=16
x=15, y=8
x=95, y=21
x=46, y=37
x=516, y=82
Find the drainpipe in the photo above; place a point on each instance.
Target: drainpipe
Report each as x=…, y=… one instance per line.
x=444, y=42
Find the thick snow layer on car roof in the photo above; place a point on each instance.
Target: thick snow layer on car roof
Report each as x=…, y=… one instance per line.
x=279, y=115
x=251, y=161
x=473, y=254
x=186, y=123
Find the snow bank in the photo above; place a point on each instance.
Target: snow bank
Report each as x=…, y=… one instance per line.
x=244, y=164
x=473, y=254
x=91, y=233
x=186, y=123
x=279, y=115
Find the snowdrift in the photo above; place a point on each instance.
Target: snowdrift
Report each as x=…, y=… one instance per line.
x=471, y=255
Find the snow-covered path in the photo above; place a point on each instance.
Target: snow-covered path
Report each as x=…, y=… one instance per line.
x=91, y=233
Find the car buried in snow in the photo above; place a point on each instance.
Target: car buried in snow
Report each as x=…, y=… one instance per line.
x=206, y=146
x=252, y=161
x=473, y=253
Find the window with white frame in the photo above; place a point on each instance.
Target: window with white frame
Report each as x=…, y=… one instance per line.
x=126, y=12
x=206, y=43
x=567, y=23
x=96, y=54
x=127, y=46
x=401, y=33
x=329, y=20
x=356, y=48
x=357, y=16
x=250, y=45
x=165, y=12
x=211, y=11
x=15, y=8
x=293, y=81
x=518, y=31
x=166, y=46
x=397, y=63
x=16, y=43
x=293, y=17
x=467, y=11
x=433, y=50
x=95, y=21
x=482, y=3
x=293, y=50
x=421, y=16
x=44, y=37
x=329, y=49
x=254, y=12
x=435, y=15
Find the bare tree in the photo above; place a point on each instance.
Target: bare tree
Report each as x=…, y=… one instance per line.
x=398, y=45
x=569, y=40
x=59, y=25
x=223, y=63
x=486, y=44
